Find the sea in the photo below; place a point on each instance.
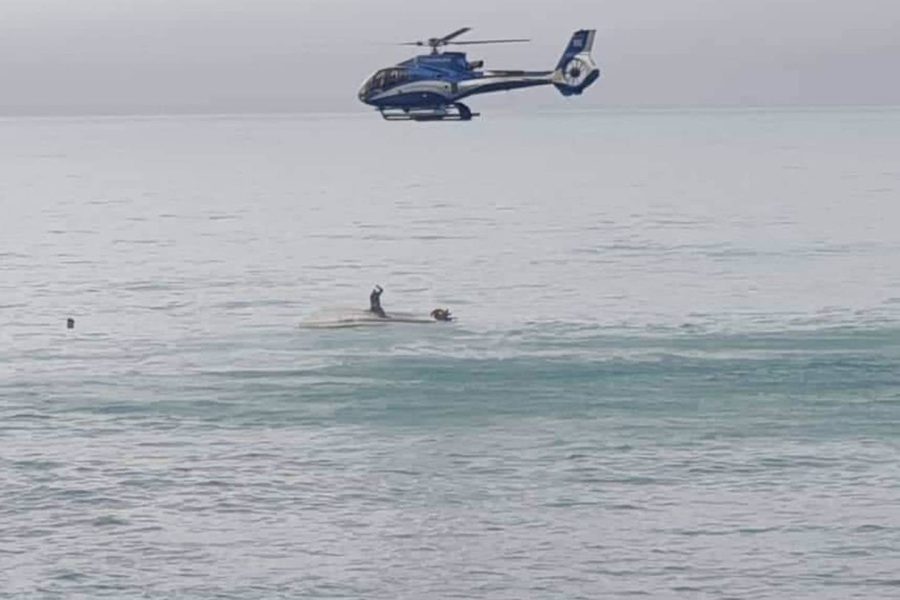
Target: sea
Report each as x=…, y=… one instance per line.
x=674, y=370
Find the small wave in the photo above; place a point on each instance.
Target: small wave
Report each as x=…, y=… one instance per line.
x=262, y=373
x=108, y=520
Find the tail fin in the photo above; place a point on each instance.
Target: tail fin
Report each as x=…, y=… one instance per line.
x=576, y=69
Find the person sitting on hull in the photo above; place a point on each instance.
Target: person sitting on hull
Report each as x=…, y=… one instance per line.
x=375, y=302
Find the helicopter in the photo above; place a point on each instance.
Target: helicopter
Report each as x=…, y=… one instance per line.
x=429, y=87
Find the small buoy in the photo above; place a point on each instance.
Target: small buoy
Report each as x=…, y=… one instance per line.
x=70, y=323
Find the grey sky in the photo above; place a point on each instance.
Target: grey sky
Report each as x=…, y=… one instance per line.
x=121, y=56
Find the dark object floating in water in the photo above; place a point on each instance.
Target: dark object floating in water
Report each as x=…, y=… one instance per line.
x=70, y=323
x=441, y=314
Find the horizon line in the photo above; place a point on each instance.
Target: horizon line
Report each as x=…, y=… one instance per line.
x=535, y=110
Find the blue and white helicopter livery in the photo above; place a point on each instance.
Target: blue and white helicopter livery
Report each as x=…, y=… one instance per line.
x=429, y=87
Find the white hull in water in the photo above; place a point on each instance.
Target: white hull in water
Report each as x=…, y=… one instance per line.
x=363, y=318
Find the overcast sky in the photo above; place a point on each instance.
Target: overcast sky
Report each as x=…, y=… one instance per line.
x=152, y=56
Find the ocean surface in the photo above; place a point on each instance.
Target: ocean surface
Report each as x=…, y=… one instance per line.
x=675, y=371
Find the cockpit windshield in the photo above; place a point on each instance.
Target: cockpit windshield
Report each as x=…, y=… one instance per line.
x=385, y=79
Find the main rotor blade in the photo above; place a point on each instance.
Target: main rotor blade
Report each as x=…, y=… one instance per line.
x=469, y=42
x=456, y=33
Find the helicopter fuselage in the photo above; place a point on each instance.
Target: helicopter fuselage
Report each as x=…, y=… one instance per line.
x=431, y=86
x=441, y=79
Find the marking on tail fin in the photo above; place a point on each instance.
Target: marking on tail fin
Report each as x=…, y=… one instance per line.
x=580, y=42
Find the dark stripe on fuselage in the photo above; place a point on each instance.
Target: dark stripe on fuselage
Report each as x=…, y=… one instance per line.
x=411, y=100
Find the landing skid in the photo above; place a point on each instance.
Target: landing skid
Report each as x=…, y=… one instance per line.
x=451, y=112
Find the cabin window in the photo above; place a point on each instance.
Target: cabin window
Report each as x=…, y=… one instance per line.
x=395, y=77
x=386, y=78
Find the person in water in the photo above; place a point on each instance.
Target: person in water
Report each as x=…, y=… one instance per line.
x=441, y=314
x=375, y=302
